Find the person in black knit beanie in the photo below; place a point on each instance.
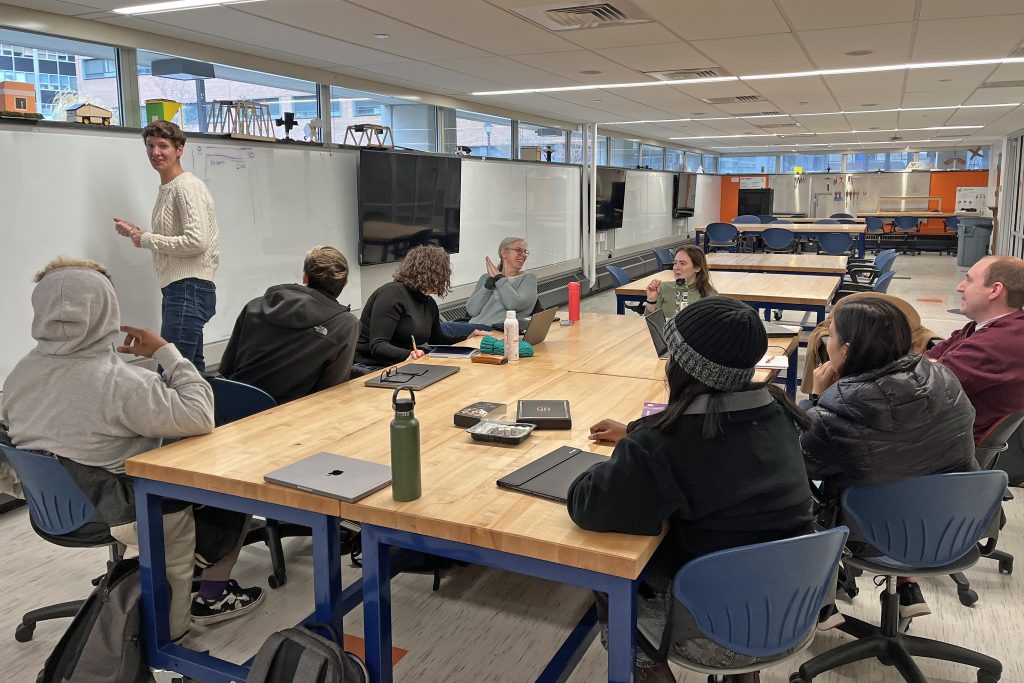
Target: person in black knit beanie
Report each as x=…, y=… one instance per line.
x=721, y=464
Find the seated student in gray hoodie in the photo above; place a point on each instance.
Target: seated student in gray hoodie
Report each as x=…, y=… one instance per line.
x=296, y=339
x=74, y=396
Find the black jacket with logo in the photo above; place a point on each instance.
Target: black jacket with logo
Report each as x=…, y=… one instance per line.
x=292, y=341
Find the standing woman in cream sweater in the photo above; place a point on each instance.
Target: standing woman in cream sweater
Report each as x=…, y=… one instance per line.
x=184, y=242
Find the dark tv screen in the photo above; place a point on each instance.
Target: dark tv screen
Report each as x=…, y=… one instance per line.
x=406, y=200
x=684, y=194
x=611, y=197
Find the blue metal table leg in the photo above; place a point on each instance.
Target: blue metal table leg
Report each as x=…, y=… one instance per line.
x=327, y=593
x=376, y=605
x=791, y=372
x=620, y=304
x=575, y=646
x=152, y=572
x=621, y=631
x=860, y=245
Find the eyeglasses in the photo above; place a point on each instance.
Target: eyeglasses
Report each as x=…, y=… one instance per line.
x=396, y=376
x=520, y=251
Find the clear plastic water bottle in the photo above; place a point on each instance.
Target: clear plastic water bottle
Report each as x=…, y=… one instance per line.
x=511, y=336
x=682, y=294
x=405, y=449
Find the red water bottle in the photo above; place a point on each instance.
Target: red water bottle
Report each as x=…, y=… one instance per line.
x=574, y=301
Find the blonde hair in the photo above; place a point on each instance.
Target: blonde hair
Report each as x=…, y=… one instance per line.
x=426, y=269
x=506, y=244
x=327, y=270
x=67, y=262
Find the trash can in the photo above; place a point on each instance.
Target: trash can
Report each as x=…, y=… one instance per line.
x=973, y=238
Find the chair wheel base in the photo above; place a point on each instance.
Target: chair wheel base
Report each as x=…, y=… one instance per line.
x=275, y=581
x=967, y=597
x=23, y=633
x=1006, y=566
x=798, y=678
x=987, y=677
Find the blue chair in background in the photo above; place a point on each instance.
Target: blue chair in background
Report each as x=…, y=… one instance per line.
x=782, y=221
x=746, y=218
x=759, y=600
x=826, y=221
x=776, y=240
x=880, y=285
x=907, y=227
x=951, y=226
x=664, y=257
x=835, y=244
x=920, y=527
x=842, y=215
x=61, y=514
x=874, y=229
x=868, y=273
x=619, y=276
x=722, y=236
x=767, y=219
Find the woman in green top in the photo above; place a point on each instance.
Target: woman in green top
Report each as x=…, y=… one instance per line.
x=691, y=269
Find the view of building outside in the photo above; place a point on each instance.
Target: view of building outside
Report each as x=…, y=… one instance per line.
x=486, y=135
x=531, y=135
x=64, y=72
x=652, y=156
x=674, y=159
x=413, y=126
x=623, y=153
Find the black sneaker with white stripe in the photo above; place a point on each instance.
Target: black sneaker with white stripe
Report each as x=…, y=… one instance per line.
x=233, y=602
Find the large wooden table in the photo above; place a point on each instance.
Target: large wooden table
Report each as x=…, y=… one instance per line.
x=919, y=213
x=794, y=264
x=461, y=514
x=809, y=229
x=765, y=291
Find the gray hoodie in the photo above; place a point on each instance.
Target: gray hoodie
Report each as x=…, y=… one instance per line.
x=76, y=396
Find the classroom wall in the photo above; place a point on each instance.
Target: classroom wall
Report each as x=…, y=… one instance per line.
x=730, y=196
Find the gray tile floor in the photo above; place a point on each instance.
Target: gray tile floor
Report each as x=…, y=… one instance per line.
x=485, y=625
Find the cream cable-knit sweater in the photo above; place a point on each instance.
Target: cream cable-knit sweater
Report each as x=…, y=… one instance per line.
x=184, y=238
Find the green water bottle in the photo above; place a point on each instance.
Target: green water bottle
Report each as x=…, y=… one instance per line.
x=405, y=449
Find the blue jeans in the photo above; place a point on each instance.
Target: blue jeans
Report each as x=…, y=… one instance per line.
x=463, y=330
x=187, y=306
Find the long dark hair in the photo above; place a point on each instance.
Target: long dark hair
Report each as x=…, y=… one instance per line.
x=876, y=331
x=699, y=261
x=683, y=388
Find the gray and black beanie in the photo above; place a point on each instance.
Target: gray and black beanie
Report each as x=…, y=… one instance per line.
x=718, y=341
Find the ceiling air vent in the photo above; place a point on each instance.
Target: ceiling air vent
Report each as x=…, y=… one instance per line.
x=754, y=114
x=780, y=125
x=733, y=100
x=688, y=74
x=563, y=17
x=1002, y=84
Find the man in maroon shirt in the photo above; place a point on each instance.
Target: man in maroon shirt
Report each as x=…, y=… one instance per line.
x=987, y=355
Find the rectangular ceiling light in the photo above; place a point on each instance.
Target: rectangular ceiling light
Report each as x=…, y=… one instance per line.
x=820, y=113
x=176, y=5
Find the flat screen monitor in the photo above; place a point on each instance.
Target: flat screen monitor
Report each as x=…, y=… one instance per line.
x=684, y=194
x=406, y=200
x=611, y=197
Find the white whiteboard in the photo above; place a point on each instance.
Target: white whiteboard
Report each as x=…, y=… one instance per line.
x=647, y=209
x=61, y=190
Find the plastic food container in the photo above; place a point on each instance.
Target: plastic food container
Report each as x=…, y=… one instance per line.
x=501, y=432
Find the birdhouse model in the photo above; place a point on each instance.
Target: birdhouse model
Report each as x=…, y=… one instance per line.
x=17, y=98
x=89, y=114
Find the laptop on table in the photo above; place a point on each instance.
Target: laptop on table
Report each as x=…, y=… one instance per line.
x=656, y=326
x=335, y=476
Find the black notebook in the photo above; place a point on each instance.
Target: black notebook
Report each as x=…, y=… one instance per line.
x=550, y=476
x=414, y=376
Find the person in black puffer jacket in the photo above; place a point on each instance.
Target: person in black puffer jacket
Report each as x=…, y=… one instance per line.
x=880, y=413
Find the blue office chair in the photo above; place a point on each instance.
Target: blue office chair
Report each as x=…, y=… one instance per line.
x=746, y=218
x=874, y=229
x=722, y=236
x=664, y=257
x=907, y=227
x=826, y=221
x=925, y=526
x=61, y=514
x=867, y=273
x=782, y=221
x=767, y=219
x=759, y=600
x=835, y=243
x=842, y=215
x=619, y=276
x=777, y=240
x=880, y=285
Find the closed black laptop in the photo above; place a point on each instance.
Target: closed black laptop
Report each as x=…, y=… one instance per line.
x=550, y=476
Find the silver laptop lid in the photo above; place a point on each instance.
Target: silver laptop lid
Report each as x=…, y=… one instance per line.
x=334, y=476
x=540, y=323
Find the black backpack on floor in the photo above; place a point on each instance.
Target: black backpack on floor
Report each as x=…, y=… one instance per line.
x=298, y=655
x=104, y=642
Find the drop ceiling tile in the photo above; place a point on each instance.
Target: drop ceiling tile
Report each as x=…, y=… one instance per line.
x=503, y=70
x=777, y=53
x=658, y=57
x=941, y=98
x=953, y=79
x=925, y=119
x=889, y=44
x=869, y=86
x=824, y=124
x=792, y=89
x=996, y=96
x=431, y=77
x=705, y=91
x=1007, y=72
x=812, y=105
x=968, y=38
x=355, y=24
x=696, y=20
x=493, y=29
x=620, y=36
x=56, y=6
x=814, y=14
x=949, y=9
x=880, y=101
x=570, y=64
x=976, y=117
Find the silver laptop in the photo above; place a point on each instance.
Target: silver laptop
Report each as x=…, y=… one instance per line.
x=540, y=323
x=334, y=476
x=656, y=326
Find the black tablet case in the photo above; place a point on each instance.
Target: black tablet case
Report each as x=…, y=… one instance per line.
x=551, y=475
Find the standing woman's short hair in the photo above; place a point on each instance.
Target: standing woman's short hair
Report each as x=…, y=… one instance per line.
x=876, y=331
x=503, y=246
x=427, y=269
x=165, y=130
x=327, y=270
x=700, y=262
